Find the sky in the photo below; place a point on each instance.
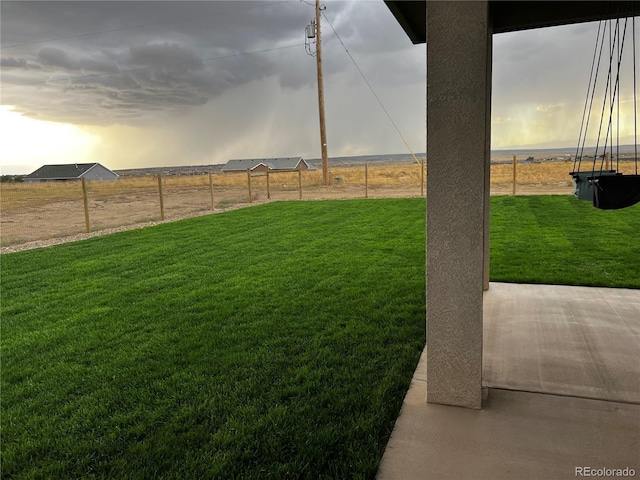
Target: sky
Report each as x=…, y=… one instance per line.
x=139, y=84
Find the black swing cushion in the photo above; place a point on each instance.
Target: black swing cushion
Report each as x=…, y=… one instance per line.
x=614, y=192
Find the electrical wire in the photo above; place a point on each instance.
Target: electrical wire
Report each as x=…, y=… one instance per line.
x=617, y=122
x=609, y=139
x=608, y=86
x=615, y=92
x=583, y=127
x=371, y=88
x=593, y=91
x=635, y=103
x=164, y=22
x=611, y=96
x=78, y=77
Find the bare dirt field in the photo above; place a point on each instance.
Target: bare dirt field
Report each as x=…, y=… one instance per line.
x=34, y=215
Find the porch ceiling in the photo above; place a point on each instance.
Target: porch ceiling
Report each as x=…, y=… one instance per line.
x=509, y=16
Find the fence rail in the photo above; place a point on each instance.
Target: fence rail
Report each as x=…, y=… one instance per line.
x=40, y=211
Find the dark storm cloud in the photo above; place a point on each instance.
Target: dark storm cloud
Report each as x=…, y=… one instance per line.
x=55, y=57
x=148, y=56
x=172, y=59
x=165, y=54
x=10, y=62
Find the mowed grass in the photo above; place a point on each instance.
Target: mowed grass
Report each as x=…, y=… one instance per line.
x=561, y=240
x=270, y=342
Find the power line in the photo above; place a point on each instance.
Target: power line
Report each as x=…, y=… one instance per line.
x=164, y=22
x=148, y=68
x=371, y=88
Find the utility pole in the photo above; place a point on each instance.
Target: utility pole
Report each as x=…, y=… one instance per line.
x=323, y=132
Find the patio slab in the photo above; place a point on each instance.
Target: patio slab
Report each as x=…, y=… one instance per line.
x=575, y=341
x=517, y=435
x=561, y=364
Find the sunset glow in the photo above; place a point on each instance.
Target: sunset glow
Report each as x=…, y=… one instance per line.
x=28, y=144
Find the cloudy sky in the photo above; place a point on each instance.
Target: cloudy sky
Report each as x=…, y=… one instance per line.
x=146, y=83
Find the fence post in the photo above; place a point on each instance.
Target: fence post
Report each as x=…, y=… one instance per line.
x=300, y=182
x=422, y=178
x=87, y=225
x=514, y=176
x=268, y=190
x=366, y=180
x=211, y=190
x=161, y=198
x=249, y=184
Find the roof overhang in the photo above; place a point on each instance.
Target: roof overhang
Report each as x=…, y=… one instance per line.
x=511, y=16
x=412, y=17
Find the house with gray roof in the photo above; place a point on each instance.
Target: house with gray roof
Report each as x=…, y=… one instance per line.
x=71, y=171
x=287, y=164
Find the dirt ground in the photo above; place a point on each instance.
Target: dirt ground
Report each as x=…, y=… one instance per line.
x=24, y=226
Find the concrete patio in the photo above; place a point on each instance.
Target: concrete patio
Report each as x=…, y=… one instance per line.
x=562, y=375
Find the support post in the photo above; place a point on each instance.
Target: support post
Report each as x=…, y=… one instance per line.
x=268, y=188
x=513, y=192
x=211, y=191
x=459, y=45
x=161, y=196
x=249, y=185
x=366, y=180
x=85, y=200
x=300, y=183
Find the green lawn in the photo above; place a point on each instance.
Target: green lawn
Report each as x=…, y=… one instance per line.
x=560, y=240
x=271, y=342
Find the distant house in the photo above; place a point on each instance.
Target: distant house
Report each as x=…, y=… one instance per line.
x=289, y=164
x=71, y=171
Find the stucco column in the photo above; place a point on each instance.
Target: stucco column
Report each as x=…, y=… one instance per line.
x=459, y=48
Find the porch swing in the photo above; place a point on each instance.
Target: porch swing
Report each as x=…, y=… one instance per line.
x=607, y=187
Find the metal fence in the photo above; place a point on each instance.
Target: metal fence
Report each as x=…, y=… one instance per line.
x=39, y=211
x=43, y=211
